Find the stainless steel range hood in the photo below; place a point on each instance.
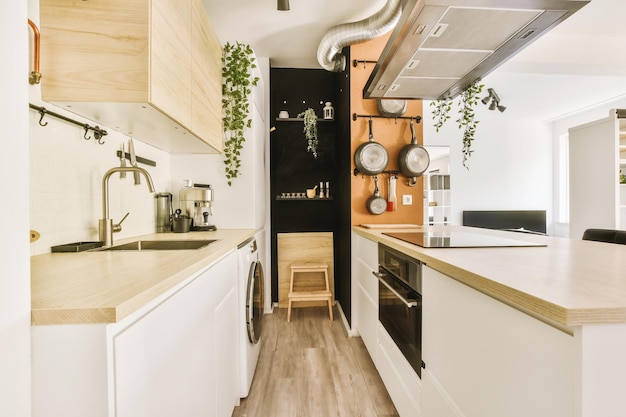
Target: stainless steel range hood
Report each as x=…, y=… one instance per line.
x=440, y=47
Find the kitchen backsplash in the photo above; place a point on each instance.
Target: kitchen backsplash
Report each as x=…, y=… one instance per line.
x=66, y=182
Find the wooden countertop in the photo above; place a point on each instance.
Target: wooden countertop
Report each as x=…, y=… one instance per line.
x=106, y=286
x=568, y=283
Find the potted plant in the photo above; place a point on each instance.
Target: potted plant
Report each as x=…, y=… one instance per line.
x=310, y=130
x=237, y=82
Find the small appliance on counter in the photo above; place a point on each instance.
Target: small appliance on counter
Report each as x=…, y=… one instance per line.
x=195, y=202
x=164, y=212
x=180, y=222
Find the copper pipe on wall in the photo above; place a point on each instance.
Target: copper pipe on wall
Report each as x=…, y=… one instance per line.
x=35, y=75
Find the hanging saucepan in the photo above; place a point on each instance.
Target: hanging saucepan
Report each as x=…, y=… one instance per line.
x=413, y=159
x=370, y=158
x=376, y=204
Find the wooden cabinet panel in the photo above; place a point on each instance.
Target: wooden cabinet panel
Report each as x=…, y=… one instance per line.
x=206, y=79
x=170, y=58
x=300, y=248
x=94, y=51
x=128, y=65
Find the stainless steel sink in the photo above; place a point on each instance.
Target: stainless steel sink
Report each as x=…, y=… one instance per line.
x=141, y=245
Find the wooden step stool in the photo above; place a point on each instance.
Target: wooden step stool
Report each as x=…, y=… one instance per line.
x=320, y=295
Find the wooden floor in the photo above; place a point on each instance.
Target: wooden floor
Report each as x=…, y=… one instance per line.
x=311, y=368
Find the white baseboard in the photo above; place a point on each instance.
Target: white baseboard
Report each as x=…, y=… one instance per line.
x=350, y=332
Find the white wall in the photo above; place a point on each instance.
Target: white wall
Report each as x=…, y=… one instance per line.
x=66, y=183
x=243, y=204
x=14, y=250
x=510, y=168
x=66, y=178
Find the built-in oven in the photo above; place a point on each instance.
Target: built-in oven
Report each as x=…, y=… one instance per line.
x=400, y=302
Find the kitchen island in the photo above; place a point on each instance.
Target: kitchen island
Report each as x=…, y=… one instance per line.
x=517, y=330
x=138, y=333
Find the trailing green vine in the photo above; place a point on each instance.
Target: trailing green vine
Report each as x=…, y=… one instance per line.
x=237, y=82
x=466, y=119
x=441, y=114
x=310, y=130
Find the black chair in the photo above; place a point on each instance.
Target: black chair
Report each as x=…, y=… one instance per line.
x=606, y=235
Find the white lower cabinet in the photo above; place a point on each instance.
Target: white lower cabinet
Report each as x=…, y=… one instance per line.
x=399, y=378
x=482, y=357
x=226, y=343
x=179, y=357
x=436, y=402
x=486, y=359
x=401, y=381
x=365, y=289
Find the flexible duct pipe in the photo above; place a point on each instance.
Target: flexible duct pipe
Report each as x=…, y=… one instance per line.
x=329, y=52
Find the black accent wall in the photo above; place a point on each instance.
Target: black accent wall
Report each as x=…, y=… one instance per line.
x=293, y=169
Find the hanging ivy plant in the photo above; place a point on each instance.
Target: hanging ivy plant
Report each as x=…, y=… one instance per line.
x=467, y=117
x=237, y=82
x=441, y=114
x=310, y=130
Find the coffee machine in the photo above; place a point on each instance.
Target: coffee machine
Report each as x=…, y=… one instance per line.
x=195, y=201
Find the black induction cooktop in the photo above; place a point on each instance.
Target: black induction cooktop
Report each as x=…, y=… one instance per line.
x=453, y=239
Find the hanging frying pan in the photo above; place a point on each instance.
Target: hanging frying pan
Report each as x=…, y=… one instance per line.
x=413, y=159
x=370, y=158
x=376, y=204
x=391, y=108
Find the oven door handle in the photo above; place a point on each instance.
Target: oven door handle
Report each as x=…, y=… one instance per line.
x=408, y=303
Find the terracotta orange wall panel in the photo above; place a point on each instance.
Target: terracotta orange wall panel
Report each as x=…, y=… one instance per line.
x=393, y=134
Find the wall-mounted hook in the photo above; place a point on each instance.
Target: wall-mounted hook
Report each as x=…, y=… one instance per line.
x=370, y=116
x=42, y=113
x=98, y=134
x=355, y=62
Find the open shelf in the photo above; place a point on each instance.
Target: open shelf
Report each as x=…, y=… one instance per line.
x=300, y=119
x=280, y=198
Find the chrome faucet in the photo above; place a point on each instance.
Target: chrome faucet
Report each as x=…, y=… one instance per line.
x=106, y=228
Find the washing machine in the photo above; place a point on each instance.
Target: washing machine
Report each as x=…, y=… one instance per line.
x=251, y=305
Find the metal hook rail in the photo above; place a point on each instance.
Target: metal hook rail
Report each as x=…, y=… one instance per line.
x=356, y=62
x=367, y=116
x=98, y=133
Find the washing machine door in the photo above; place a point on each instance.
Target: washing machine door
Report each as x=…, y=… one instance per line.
x=254, y=302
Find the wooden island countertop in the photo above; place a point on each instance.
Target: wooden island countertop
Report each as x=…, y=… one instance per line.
x=568, y=282
x=106, y=286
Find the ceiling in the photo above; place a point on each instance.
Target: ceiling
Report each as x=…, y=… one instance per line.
x=579, y=64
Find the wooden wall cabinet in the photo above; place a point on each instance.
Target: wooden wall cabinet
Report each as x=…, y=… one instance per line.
x=150, y=69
